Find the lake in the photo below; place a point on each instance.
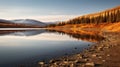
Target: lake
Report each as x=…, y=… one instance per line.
x=29, y=46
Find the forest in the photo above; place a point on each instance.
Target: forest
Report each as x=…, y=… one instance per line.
x=107, y=16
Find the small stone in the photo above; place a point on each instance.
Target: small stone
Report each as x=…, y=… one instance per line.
x=82, y=61
x=90, y=64
x=98, y=63
x=103, y=60
x=108, y=55
x=79, y=56
x=85, y=59
x=65, y=62
x=55, y=63
x=51, y=61
x=76, y=61
x=41, y=63
x=84, y=56
x=106, y=47
x=72, y=65
x=94, y=55
x=88, y=44
x=100, y=57
x=75, y=47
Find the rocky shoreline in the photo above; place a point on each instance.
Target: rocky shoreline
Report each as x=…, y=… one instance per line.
x=102, y=54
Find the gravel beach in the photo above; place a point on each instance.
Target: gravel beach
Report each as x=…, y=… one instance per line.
x=105, y=53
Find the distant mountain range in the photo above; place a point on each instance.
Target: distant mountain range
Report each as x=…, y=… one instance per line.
x=21, y=23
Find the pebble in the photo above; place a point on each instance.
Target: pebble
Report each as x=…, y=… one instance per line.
x=108, y=55
x=82, y=61
x=41, y=63
x=71, y=65
x=90, y=64
x=94, y=55
x=100, y=57
x=75, y=47
x=103, y=60
x=98, y=63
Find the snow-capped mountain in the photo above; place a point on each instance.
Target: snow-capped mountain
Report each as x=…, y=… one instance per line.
x=29, y=22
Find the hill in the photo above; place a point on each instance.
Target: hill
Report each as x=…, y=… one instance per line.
x=107, y=16
x=105, y=20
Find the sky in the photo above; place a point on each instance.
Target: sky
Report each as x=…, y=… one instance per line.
x=52, y=10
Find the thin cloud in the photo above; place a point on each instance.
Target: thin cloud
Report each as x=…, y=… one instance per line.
x=46, y=18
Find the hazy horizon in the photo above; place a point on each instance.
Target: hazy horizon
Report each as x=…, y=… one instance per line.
x=52, y=10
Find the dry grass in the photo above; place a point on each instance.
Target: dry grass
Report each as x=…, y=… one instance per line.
x=115, y=27
x=111, y=27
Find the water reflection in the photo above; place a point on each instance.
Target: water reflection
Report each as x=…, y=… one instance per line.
x=30, y=46
x=90, y=36
x=21, y=32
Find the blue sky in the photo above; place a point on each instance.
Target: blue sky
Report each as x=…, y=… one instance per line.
x=52, y=10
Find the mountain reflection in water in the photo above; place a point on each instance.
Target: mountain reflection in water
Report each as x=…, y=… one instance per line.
x=85, y=36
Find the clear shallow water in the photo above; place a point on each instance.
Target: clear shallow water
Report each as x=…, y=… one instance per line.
x=30, y=46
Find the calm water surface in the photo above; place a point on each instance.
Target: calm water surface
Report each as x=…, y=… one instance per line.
x=30, y=46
